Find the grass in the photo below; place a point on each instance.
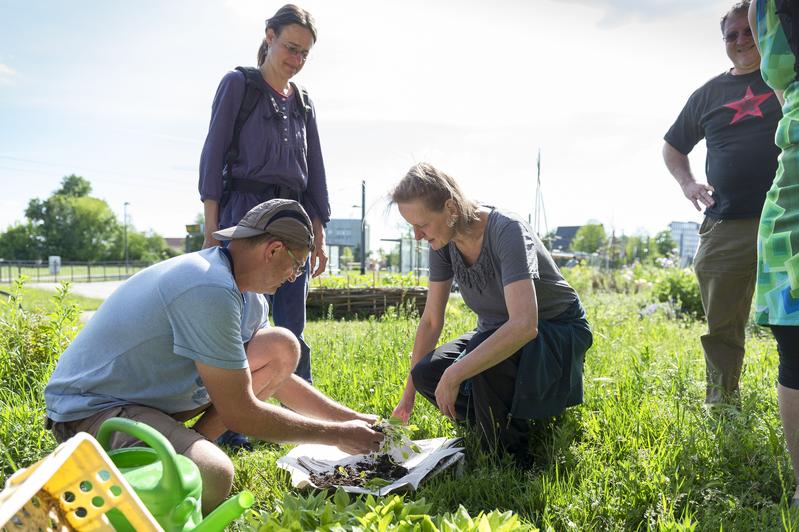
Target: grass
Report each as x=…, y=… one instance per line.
x=641, y=453
x=38, y=299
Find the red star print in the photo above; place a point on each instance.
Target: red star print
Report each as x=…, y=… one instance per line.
x=749, y=105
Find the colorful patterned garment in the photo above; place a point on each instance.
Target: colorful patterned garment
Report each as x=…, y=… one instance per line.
x=777, y=294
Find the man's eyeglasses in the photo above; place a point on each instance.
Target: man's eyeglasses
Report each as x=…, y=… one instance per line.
x=299, y=267
x=296, y=51
x=733, y=35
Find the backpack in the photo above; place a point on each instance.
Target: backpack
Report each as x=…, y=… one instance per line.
x=253, y=90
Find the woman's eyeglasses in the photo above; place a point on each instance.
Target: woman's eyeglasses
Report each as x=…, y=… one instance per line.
x=296, y=51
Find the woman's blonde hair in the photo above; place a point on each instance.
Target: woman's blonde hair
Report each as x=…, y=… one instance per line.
x=434, y=188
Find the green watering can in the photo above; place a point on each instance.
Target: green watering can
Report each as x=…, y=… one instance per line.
x=168, y=484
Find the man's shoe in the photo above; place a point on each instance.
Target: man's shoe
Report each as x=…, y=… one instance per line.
x=234, y=440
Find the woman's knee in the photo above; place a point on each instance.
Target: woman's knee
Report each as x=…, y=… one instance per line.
x=423, y=375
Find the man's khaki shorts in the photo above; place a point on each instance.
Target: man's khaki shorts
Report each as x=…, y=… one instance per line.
x=171, y=426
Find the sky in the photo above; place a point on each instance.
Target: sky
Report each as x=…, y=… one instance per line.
x=120, y=93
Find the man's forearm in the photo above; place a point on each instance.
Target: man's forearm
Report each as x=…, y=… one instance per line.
x=308, y=401
x=678, y=165
x=280, y=425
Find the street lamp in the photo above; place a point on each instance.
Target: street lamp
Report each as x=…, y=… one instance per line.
x=125, y=233
x=363, y=227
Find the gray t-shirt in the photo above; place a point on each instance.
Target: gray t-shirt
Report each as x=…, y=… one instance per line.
x=511, y=251
x=141, y=345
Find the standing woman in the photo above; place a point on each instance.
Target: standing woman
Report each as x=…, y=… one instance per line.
x=263, y=143
x=776, y=26
x=525, y=358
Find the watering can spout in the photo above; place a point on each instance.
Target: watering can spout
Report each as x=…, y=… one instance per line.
x=226, y=513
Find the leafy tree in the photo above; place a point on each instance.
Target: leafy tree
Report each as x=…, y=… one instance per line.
x=146, y=247
x=76, y=228
x=74, y=186
x=664, y=243
x=636, y=248
x=19, y=242
x=589, y=238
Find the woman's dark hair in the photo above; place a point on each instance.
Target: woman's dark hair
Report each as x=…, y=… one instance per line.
x=286, y=15
x=433, y=187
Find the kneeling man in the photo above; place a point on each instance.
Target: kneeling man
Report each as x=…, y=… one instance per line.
x=189, y=337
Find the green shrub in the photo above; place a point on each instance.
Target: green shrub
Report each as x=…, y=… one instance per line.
x=679, y=286
x=341, y=512
x=30, y=344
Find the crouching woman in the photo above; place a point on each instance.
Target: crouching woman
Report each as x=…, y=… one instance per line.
x=525, y=358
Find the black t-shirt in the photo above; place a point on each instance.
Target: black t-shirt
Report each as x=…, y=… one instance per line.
x=737, y=116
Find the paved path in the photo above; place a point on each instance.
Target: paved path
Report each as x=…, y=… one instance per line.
x=100, y=290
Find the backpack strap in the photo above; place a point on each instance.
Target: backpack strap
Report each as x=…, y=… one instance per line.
x=301, y=97
x=253, y=89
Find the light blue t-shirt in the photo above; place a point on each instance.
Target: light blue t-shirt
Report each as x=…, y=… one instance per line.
x=142, y=343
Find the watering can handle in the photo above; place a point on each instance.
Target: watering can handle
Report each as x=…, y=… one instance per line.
x=171, y=479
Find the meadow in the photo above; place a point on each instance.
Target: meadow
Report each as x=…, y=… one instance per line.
x=640, y=454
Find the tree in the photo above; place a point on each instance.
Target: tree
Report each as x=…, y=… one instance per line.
x=589, y=238
x=664, y=243
x=77, y=228
x=19, y=242
x=74, y=186
x=636, y=248
x=142, y=246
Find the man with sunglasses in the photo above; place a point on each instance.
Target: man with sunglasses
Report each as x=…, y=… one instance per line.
x=188, y=339
x=737, y=114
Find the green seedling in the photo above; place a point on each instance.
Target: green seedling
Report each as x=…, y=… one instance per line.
x=397, y=437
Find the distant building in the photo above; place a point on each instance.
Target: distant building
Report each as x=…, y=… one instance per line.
x=686, y=237
x=344, y=233
x=562, y=240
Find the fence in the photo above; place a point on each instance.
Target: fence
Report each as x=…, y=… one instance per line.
x=74, y=272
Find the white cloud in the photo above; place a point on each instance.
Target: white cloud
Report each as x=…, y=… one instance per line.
x=7, y=75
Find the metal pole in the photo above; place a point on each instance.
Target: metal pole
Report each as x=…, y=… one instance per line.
x=125, y=232
x=363, y=227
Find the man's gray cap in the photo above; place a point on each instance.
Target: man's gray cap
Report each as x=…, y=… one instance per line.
x=284, y=219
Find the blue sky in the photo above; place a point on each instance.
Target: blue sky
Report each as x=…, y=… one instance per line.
x=120, y=92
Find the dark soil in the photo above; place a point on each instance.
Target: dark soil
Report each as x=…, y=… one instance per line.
x=360, y=473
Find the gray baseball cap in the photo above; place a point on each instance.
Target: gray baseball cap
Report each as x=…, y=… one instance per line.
x=284, y=219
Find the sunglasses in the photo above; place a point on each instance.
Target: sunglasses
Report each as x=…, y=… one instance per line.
x=733, y=35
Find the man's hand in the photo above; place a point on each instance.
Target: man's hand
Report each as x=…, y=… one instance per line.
x=319, y=254
x=699, y=193
x=357, y=437
x=368, y=418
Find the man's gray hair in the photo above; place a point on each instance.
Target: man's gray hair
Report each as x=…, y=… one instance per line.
x=737, y=9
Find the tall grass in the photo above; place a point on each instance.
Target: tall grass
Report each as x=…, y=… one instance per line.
x=641, y=453
x=30, y=342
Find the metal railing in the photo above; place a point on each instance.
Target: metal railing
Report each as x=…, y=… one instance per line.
x=75, y=272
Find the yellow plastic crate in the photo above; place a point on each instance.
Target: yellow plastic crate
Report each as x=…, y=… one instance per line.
x=71, y=489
